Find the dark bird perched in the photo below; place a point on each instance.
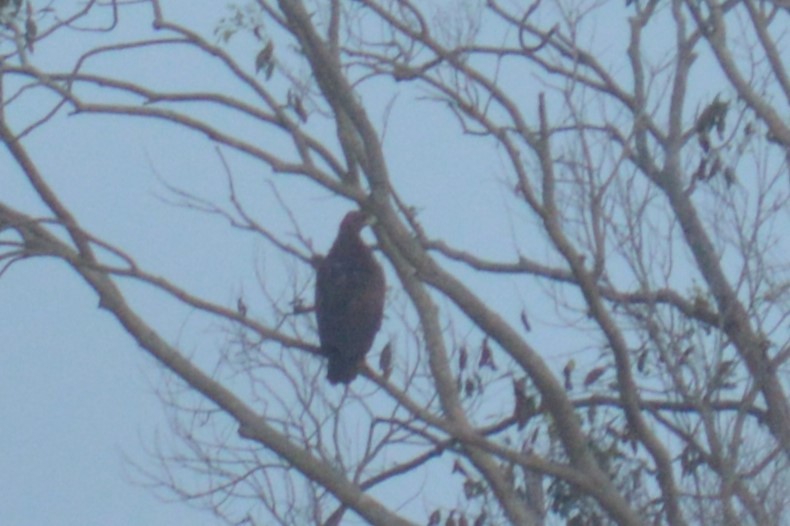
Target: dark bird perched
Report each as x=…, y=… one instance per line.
x=349, y=300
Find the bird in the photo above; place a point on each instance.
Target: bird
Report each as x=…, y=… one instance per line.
x=349, y=300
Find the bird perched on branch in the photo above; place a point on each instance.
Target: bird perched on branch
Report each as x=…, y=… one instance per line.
x=349, y=300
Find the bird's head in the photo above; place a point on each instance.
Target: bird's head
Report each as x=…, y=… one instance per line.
x=355, y=221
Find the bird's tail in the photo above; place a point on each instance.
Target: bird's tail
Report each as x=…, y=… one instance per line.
x=342, y=370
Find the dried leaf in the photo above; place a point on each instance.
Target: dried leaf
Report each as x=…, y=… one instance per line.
x=525, y=406
x=241, y=307
x=714, y=168
x=486, y=356
x=462, y=358
x=567, y=372
x=299, y=108
x=594, y=375
x=699, y=173
x=724, y=369
x=713, y=116
x=729, y=176
x=690, y=460
x=685, y=356
x=641, y=361
x=471, y=488
x=385, y=361
x=525, y=321
x=704, y=141
x=458, y=468
x=264, y=58
x=469, y=387
x=31, y=30
x=592, y=412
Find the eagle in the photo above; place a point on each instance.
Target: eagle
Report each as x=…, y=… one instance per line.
x=349, y=300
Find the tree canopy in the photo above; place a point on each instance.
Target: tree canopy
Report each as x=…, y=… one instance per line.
x=579, y=206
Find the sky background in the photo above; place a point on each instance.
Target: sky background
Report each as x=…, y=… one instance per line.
x=78, y=399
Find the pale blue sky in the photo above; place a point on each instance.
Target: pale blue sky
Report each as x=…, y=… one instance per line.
x=77, y=396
